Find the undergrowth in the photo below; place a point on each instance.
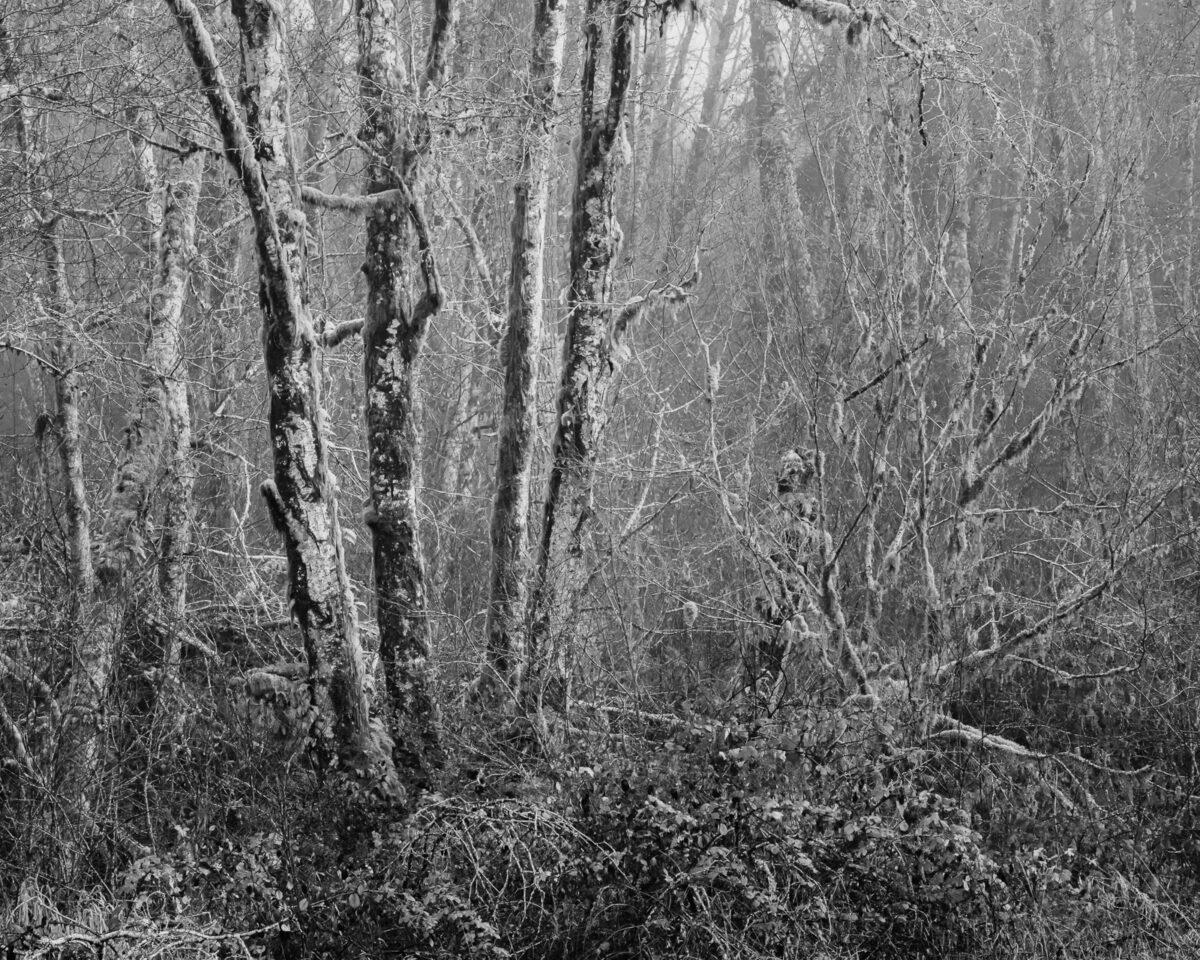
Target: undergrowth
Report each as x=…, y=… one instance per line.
x=826, y=834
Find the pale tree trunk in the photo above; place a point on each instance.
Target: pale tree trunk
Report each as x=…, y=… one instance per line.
x=1142, y=319
x=957, y=261
x=322, y=56
x=791, y=288
x=79, y=737
x=163, y=417
x=589, y=346
x=300, y=496
x=508, y=600
x=161, y=408
x=393, y=336
x=667, y=103
x=790, y=303
x=685, y=201
x=176, y=247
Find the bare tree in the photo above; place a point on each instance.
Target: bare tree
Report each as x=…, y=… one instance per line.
x=301, y=495
x=593, y=332
x=396, y=140
x=508, y=602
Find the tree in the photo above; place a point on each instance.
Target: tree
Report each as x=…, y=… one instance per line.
x=510, y=567
x=301, y=496
x=592, y=337
x=395, y=142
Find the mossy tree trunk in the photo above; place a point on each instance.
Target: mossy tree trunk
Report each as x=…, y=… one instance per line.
x=396, y=140
x=301, y=494
x=508, y=601
x=590, y=340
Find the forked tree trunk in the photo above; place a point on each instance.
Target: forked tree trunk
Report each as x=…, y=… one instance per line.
x=507, y=619
x=393, y=336
x=300, y=496
x=587, y=364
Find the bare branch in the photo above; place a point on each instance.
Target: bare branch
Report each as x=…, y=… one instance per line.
x=350, y=203
x=35, y=357
x=957, y=731
x=333, y=336
x=1063, y=677
x=1008, y=647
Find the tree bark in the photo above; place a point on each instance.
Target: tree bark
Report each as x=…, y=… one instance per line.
x=589, y=347
x=508, y=600
x=393, y=337
x=300, y=497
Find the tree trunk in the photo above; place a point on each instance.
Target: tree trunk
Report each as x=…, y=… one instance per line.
x=393, y=336
x=685, y=201
x=587, y=365
x=508, y=600
x=91, y=663
x=791, y=289
x=300, y=496
x=176, y=247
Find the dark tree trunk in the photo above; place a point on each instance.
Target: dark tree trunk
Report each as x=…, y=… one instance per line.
x=587, y=364
x=300, y=495
x=393, y=337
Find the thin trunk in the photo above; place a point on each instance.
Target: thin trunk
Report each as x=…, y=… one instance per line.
x=393, y=336
x=791, y=301
x=685, y=202
x=322, y=55
x=788, y=266
x=587, y=366
x=300, y=496
x=669, y=106
x=957, y=262
x=79, y=738
x=91, y=661
x=176, y=248
x=508, y=599
x=1191, y=186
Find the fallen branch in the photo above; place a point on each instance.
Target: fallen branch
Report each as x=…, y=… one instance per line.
x=955, y=731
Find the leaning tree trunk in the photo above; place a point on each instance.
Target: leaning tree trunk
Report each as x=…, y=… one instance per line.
x=587, y=364
x=393, y=336
x=508, y=600
x=300, y=496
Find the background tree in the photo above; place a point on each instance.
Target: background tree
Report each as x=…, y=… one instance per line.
x=861, y=422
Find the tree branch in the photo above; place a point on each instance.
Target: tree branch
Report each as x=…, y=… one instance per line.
x=1005, y=648
x=350, y=203
x=333, y=336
